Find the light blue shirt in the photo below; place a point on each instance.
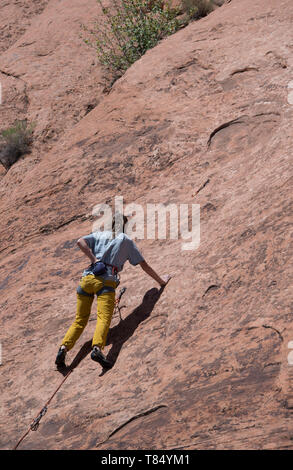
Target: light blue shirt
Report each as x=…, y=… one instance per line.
x=114, y=251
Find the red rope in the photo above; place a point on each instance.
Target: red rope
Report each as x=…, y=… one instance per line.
x=35, y=424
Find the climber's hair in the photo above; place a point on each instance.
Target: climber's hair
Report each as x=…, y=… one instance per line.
x=119, y=222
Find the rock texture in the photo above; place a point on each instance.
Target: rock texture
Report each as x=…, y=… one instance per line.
x=49, y=75
x=202, y=118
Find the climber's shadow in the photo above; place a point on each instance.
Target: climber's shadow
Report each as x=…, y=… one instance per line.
x=119, y=334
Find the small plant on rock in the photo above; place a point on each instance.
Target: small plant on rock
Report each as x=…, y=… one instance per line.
x=15, y=142
x=127, y=29
x=196, y=9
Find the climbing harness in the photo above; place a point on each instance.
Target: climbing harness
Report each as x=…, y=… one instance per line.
x=98, y=269
x=101, y=291
x=35, y=424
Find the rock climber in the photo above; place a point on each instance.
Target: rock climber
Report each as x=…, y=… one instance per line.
x=107, y=251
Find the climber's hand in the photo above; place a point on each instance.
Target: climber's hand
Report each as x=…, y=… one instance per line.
x=165, y=280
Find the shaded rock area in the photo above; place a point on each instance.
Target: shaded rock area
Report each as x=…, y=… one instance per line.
x=203, y=118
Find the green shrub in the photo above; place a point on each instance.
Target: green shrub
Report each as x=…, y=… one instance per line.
x=196, y=9
x=14, y=142
x=128, y=29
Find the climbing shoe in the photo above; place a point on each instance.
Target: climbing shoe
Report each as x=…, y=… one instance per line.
x=99, y=357
x=60, y=358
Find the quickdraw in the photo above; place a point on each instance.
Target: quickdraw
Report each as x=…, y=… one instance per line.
x=121, y=292
x=35, y=424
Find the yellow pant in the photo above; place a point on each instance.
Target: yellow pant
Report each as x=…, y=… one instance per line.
x=105, y=307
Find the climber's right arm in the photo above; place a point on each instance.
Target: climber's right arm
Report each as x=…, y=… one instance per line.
x=147, y=269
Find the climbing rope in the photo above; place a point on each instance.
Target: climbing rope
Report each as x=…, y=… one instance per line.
x=35, y=424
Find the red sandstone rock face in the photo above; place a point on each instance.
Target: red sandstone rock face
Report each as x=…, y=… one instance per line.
x=16, y=17
x=202, y=118
x=49, y=75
